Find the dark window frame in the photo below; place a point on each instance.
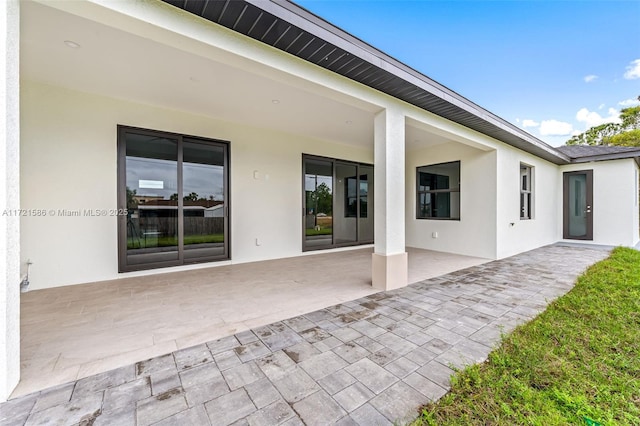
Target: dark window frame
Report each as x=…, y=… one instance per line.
x=434, y=192
x=526, y=183
x=351, y=202
x=123, y=266
x=355, y=201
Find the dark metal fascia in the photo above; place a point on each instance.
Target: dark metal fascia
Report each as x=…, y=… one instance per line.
x=605, y=157
x=320, y=28
x=329, y=34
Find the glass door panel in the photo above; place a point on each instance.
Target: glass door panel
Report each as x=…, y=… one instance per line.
x=365, y=214
x=175, y=190
x=578, y=205
x=337, y=203
x=346, y=204
x=152, y=207
x=318, y=203
x=203, y=188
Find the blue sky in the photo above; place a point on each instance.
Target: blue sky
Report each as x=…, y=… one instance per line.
x=554, y=68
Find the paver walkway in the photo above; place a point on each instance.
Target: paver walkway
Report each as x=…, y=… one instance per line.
x=372, y=361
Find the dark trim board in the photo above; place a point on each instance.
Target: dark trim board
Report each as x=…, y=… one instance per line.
x=292, y=29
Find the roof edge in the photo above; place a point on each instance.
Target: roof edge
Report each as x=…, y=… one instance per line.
x=305, y=19
x=604, y=157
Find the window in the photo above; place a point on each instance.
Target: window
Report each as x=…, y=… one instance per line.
x=526, y=191
x=438, y=191
x=173, y=192
x=351, y=196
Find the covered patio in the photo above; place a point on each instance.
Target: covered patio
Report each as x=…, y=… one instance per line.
x=72, y=332
x=371, y=361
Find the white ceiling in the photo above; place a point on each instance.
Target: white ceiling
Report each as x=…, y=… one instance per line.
x=118, y=64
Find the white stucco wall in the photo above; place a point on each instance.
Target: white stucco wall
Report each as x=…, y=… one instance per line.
x=475, y=233
x=69, y=162
x=9, y=197
x=615, y=201
x=389, y=174
x=544, y=227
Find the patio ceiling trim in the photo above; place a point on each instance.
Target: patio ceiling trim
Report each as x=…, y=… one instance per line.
x=292, y=29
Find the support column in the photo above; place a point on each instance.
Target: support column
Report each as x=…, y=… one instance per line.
x=390, y=260
x=9, y=197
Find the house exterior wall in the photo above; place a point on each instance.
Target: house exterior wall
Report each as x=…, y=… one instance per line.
x=69, y=163
x=9, y=197
x=615, y=201
x=475, y=233
x=515, y=235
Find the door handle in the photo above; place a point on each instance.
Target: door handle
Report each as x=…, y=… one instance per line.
x=588, y=209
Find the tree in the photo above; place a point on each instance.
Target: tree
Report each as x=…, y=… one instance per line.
x=631, y=117
x=191, y=197
x=595, y=135
x=132, y=203
x=625, y=133
x=630, y=138
x=320, y=200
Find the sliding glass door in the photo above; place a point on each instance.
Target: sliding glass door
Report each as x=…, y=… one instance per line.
x=365, y=203
x=172, y=193
x=338, y=203
x=346, y=207
x=318, y=203
x=204, y=196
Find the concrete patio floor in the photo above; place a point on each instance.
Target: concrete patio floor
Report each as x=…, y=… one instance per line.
x=72, y=332
x=370, y=361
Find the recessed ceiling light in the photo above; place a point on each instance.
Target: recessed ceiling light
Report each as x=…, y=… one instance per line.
x=275, y=101
x=72, y=44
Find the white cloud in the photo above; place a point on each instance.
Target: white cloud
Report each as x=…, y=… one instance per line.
x=629, y=103
x=601, y=106
x=592, y=118
x=555, y=128
x=589, y=78
x=529, y=123
x=633, y=70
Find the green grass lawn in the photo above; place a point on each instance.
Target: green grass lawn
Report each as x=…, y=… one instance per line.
x=577, y=363
x=322, y=231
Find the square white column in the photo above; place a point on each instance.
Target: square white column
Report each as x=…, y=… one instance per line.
x=390, y=261
x=9, y=197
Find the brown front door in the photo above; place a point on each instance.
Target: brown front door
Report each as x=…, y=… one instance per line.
x=578, y=205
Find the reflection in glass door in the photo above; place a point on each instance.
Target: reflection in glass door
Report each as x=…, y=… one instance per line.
x=338, y=203
x=152, y=211
x=203, y=189
x=346, y=209
x=365, y=213
x=318, y=190
x=174, y=191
